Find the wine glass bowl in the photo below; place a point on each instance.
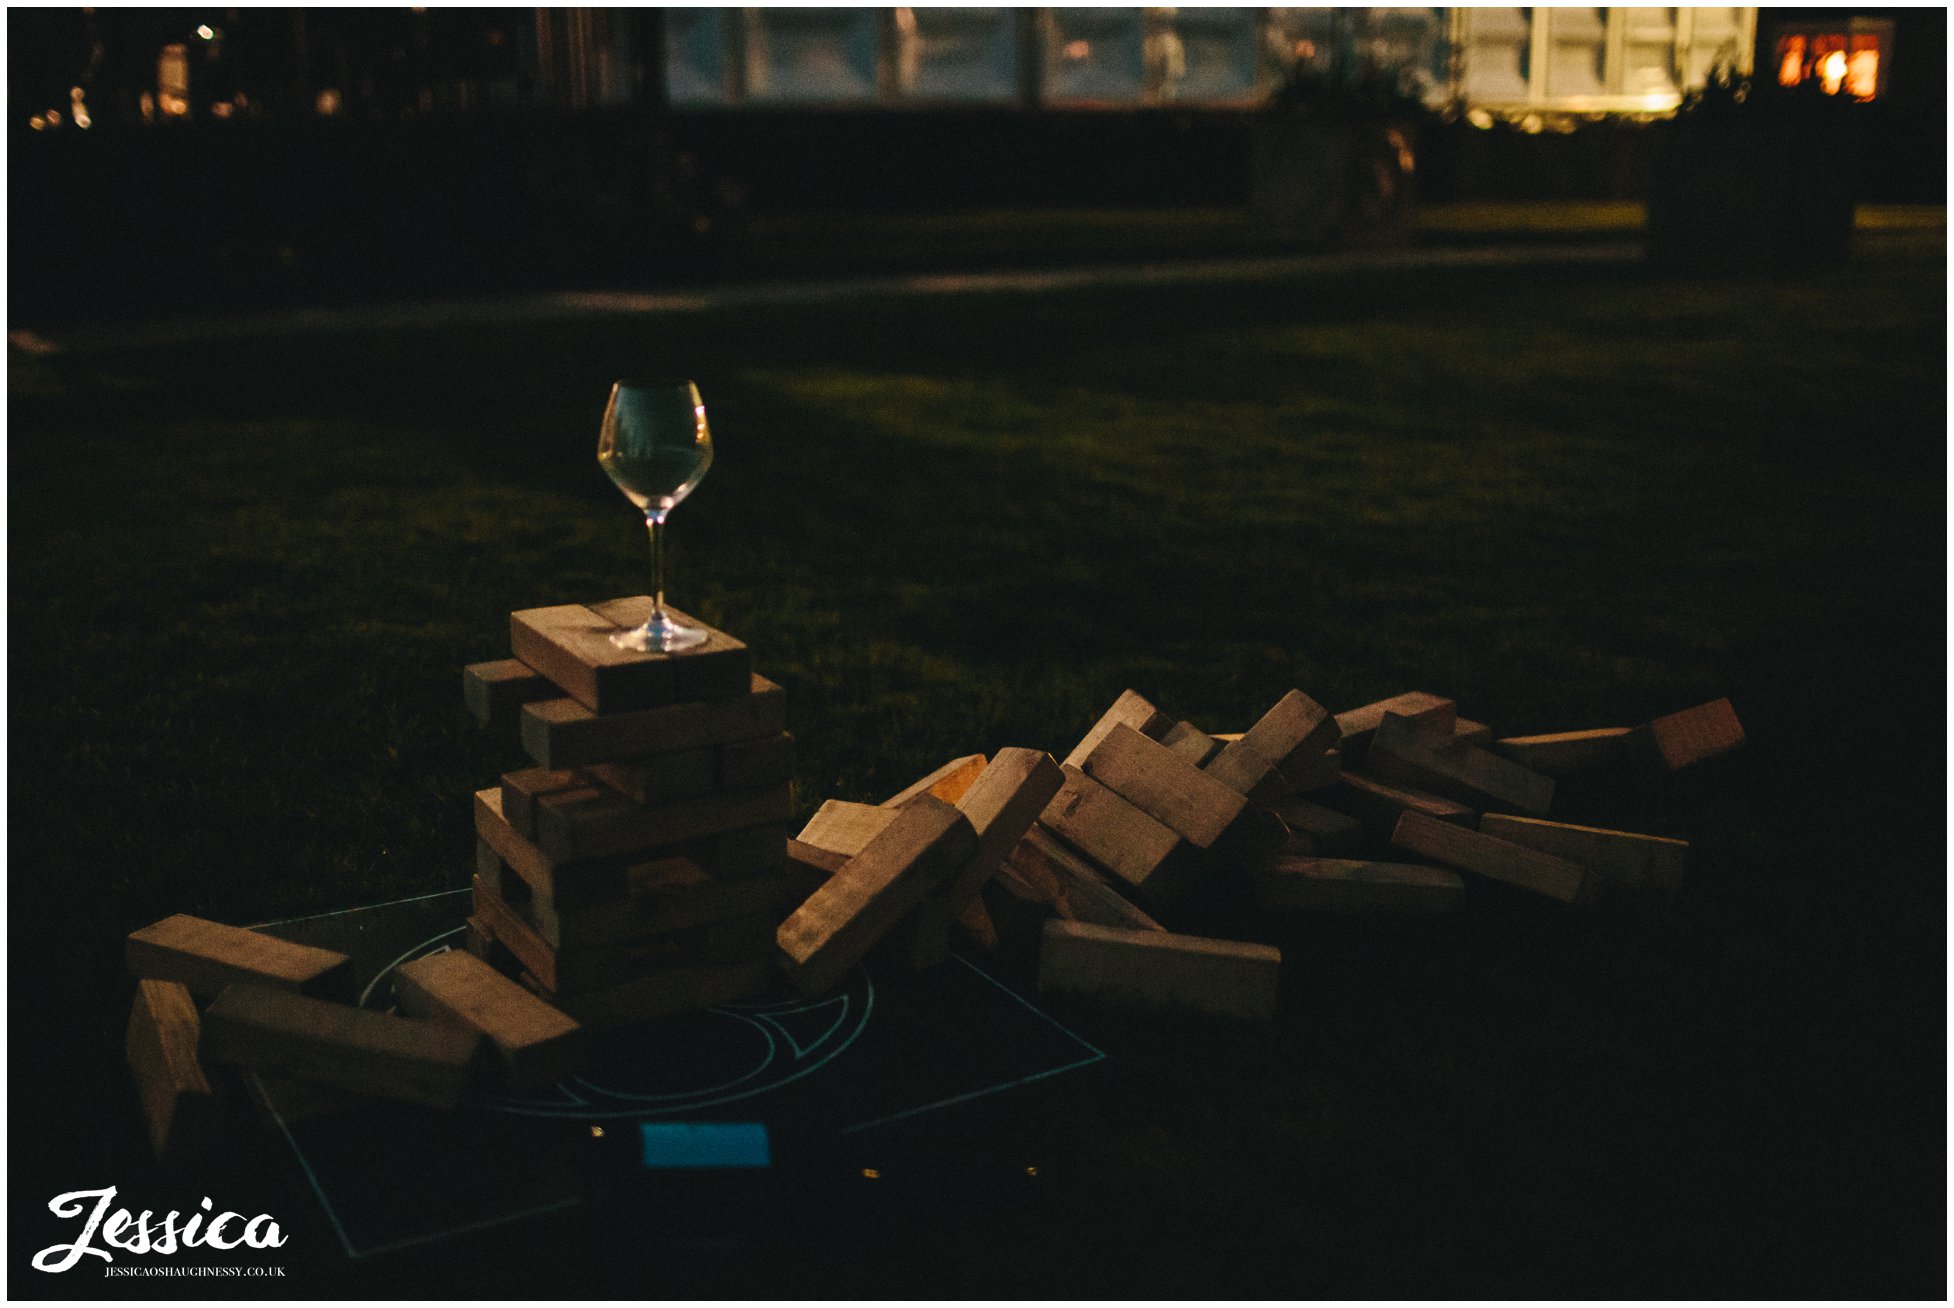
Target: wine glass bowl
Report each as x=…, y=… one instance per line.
x=656, y=446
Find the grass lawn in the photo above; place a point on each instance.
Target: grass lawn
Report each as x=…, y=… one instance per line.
x=244, y=578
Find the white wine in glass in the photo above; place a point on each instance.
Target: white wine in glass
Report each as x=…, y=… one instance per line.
x=656, y=446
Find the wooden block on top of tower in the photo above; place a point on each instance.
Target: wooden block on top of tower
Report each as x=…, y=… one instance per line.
x=1404, y=752
x=1211, y=816
x=1502, y=860
x=495, y=690
x=1360, y=724
x=1138, y=848
x=1191, y=743
x=844, y=827
x=178, y=1104
x=947, y=783
x=561, y=733
x=1158, y=969
x=840, y=922
x=207, y=956
x=534, y=1044
x=571, y=645
x=1294, y=735
x=1675, y=741
x=1342, y=885
x=1130, y=709
x=358, y=1049
x=1626, y=859
x=1246, y=772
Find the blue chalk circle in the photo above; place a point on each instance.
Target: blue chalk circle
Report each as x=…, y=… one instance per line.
x=706, y=1144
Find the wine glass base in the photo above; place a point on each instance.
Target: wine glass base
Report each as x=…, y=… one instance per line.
x=660, y=635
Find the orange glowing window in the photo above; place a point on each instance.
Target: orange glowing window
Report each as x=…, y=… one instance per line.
x=1849, y=62
x=1791, y=60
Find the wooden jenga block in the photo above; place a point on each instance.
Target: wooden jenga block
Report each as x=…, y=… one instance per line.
x=1191, y=743
x=1158, y=969
x=523, y=788
x=1468, y=732
x=534, y=1044
x=1139, y=849
x=1407, y=754
x=1378, y=806
x=1293, y=735
x=357, y=1049
x=860, y=904
x=1340, y=885
x=1130, y=709
x=1564, y=753
x=496, y=690
x=810, y=866
x=1676, y=741
x=601, y=823
x=479, y=940
x=751, y=764
x=571, y=645
x=667, y=895
x=666, y=993
x=1240, y=768
x=178, y=1105
x=1627, y=859
x=844, y=827
x=1209, y=815
x=1489, y=856
x=975, y=925
x=563, y=884
x=1315, y=830
x=1312, y=773
x=1071, y=887
x=1360, y=724
x=947, y=783
x=207, y=956
x=662, y=778
x=561, y=733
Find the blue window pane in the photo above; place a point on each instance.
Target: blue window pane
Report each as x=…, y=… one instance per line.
x=811, y=55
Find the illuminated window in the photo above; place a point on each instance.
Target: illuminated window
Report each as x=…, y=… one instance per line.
x=695, y=55
x=811, y=55
x=1095, y=54
x=1634, y=58
x=1849, y=58
x=957, y=54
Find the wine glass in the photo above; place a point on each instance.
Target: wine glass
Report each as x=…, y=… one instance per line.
x=656, y=446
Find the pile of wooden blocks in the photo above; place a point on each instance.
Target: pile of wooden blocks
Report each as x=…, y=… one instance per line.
x=215, y=1003
x=1153, y=808
x=638, y=869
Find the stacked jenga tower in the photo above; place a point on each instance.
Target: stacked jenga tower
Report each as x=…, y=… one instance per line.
x=638, y=869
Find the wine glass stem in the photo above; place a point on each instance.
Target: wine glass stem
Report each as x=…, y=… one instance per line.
x=655, y=522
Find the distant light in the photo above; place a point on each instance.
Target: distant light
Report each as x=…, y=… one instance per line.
x=870, y=1174
x=54, y=118
x=38, y=123
x=1480, y=118
x=1831, y=71
x=1077, y=49
x=221, y=109
x=82, y=120
x=597, y=1133
x=1533, y=124
x=147, y=104
x=1862, y=74
x=1031, y=1171
x=1305, y=49
x=207, y=32
x=327, y=102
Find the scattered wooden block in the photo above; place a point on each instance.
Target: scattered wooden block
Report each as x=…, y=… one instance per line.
x=1563, y=753
x=1293, y=735
x=1315, y=772
x=1360, y=724
x=356, y=1049
x=601, y=823
x=1405, y=753
x=564, y=885
x=535, y=1044
x=1468, y=732
x=861, y=903
x=1339, y=885
x=1191, y=743
x=1489, y=856
x=1378, y=806
x=1141, y=850
x=207, y=956
x=496, y=690
x=1130, y=709
x=1071, y=887
x=843, y=827
x=1246, y=772
x=1157, y=969
x=1628, y=859
x=662, y=994
x=809, y=867
x=1209, y=815
x=178, y=1105
x=571, y=645
x=1315, y=830
x=561, y=733
x=947, y=783
x=1676, y=741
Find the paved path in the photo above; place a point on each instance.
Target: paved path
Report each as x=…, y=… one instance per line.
x=83, y=339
